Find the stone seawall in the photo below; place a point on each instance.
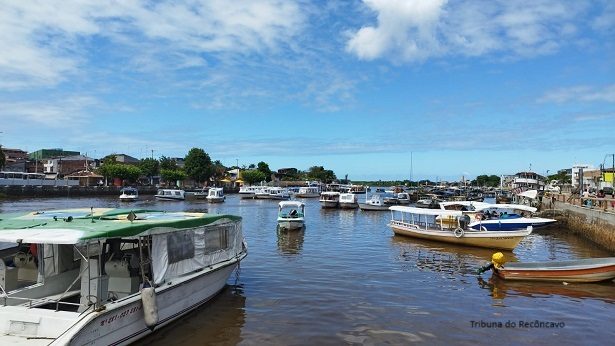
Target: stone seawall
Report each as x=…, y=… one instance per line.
x=594, y=224
x=67, y=191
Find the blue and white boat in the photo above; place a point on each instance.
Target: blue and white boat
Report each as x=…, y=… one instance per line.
x=498, y=217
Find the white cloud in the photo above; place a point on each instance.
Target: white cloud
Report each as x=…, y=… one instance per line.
x=43, y=42
x=62, y=113
x=416, y=30
x=581, y=93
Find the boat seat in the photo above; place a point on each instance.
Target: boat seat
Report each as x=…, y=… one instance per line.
x=121, y=281
x=27, y=269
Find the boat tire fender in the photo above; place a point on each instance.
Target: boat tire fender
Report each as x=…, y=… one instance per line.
x=459, y=232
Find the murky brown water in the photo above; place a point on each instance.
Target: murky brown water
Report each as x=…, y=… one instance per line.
x=348, y=280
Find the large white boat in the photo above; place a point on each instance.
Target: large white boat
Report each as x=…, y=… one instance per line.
x=348, y=201
x=170, y=195
x=129, y=194
x=291, y=215
x=109, y=276
x=498, y=217
x=308, y=192
x=329, y=199
x=422, y=223
x=216, y=195
x=248, y=192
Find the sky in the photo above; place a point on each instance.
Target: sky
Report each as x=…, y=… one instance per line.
x=372, y=89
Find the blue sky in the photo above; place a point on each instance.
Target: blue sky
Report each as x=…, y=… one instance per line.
x=360, y=87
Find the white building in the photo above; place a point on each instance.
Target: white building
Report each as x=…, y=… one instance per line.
x=576, y=176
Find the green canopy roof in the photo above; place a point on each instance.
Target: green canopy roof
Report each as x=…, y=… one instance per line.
x=71, y=226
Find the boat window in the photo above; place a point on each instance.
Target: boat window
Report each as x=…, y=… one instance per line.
x=180, y=246
x=216, y=240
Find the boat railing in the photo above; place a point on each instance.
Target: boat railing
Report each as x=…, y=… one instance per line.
x=419, y=224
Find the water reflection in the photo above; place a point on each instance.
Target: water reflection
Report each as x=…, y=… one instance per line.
x=217, y=322
x=290, y=242
x=441, y=257
x=500, y=289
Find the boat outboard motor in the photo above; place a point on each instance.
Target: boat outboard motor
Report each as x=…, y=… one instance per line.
x=464, y=221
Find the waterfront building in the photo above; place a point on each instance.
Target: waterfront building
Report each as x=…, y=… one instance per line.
x=65, y=165
x=44, y=154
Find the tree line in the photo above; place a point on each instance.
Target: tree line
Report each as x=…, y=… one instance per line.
x=199, y=167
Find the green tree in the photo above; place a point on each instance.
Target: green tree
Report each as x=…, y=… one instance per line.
x=252, y=176
x=172, y=175
x=264, y=167
x=167, y=163
x=218, y=170
x=198, y=165
x=109, y=159
x=2, y=158
x=150, y=167
x=118, y=170
x=321, y=174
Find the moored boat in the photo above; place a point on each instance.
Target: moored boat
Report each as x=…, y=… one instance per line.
x=422, y=223
x=170, y=195
x=329, y=199
x=291, y=215
x=375, y=203
x=216, y=195
x=580, y=270
x=278, y=193
x=110, y=276
x=129, y=194
x=308, y=192
x=248, y=192
x=348, y=201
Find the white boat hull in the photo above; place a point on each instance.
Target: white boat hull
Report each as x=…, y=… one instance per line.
x=329, y=204
x=215, y=199
x=506, y=240
x=169, y=198
x=307, y=195
x=367, y=206
x=124, y=323
x=344, y=205
x=291, y=224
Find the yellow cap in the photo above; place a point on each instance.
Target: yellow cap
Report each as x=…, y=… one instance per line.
x=498, y=259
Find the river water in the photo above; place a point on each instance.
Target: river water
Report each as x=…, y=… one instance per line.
x=347, y=279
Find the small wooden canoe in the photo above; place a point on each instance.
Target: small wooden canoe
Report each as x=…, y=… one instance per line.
x=582, y=270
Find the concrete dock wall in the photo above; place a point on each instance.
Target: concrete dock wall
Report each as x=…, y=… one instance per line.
x=595, y=221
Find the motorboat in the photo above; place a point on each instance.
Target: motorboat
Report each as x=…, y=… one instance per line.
x=329, y=199
x=262, y=193
x=129, y=194
x=580, y=270
x=429, y=201
x=422, y=223
x=348, y=201
x=403, y=198
x=170, y=195
x=200, y=194
x=248, y=192
x=358, y=189
x=291, y=215
x=216, y=195
x=109, y=276
x=308, y=192
x=497, y=217
x=279, y=193
x=376, y=203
